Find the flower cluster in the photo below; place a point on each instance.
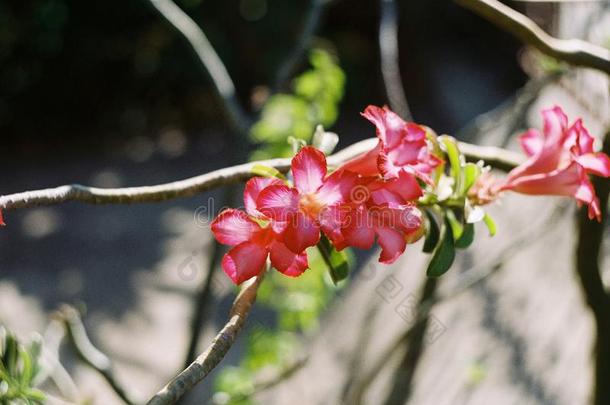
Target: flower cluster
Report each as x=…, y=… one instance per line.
x=380, y=195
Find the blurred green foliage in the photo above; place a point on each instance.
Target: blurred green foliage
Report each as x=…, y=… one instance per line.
x=18, y=370
x=315, y=100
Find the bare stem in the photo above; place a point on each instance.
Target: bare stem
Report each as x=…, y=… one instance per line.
x=202, y=302
x=302, y=42
x=390, y=66
x=217, y=350
x=223, y=85
x=89, y=353
x=572, y=51
x=496, y=157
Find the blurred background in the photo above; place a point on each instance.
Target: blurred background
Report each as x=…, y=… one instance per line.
x=110, y=94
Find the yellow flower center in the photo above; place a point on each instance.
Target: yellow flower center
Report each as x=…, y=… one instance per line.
x=310, y=205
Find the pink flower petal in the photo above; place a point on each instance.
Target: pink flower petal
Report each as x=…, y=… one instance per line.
x=555, y=125
x=409, y=218
x=358, y=228
x=531, y=142
x=332, y=219
x=578, y=135
x=384, y=195
x=406, y=186
x=387, y=168
x=301, y=233
x=278, y=202
x=392, y=244
x=365, y=164
x=286, y=261
x=406, y=152
x=595, y=163
x=244, y=261
x=420, y=168
x=558, y=182
x=308, y=169
x=414, y=133
x=585, y=193
x=390, y=127
x=232, y=227
x=595, y=211
x=252, y=190
x=337, y=188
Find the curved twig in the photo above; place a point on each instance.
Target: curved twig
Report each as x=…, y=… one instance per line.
x=202, y=302
x=219, y=347
x=223, y=85
x=496, y=157
x=390, y=66
x=572, y=51
x=310, y=26
x=97, y=360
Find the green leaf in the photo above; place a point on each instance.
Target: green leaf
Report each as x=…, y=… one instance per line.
x=11, y=354
x=466, y=238
x=432, y=233
x=444, y=253
x=453, y=153
x=491, y=225
x=470, y=174
x=337, y=262
x=456, y=225
x=35, y=395
x=267, y=171
x=35, y=348
x=27, y=367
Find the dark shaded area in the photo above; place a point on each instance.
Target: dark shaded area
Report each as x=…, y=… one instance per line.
x=589, y=271
x=87, y=76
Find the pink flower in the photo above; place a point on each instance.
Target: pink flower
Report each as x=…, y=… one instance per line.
x=1, y=219
x=388, y=214
x=313, y=204
x=560, y=160
x=254, y=240
x=402, y=147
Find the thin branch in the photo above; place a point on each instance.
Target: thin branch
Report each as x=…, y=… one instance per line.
x=572, y=51
x=223, y=85
x=89, y=353
x=414, y=343
x=129, y=195
x=310, y=26
x=55, y=371
x=496, y=157
x=390, y=66
x=202, y=302
x=263, y=384
x=219, y=347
